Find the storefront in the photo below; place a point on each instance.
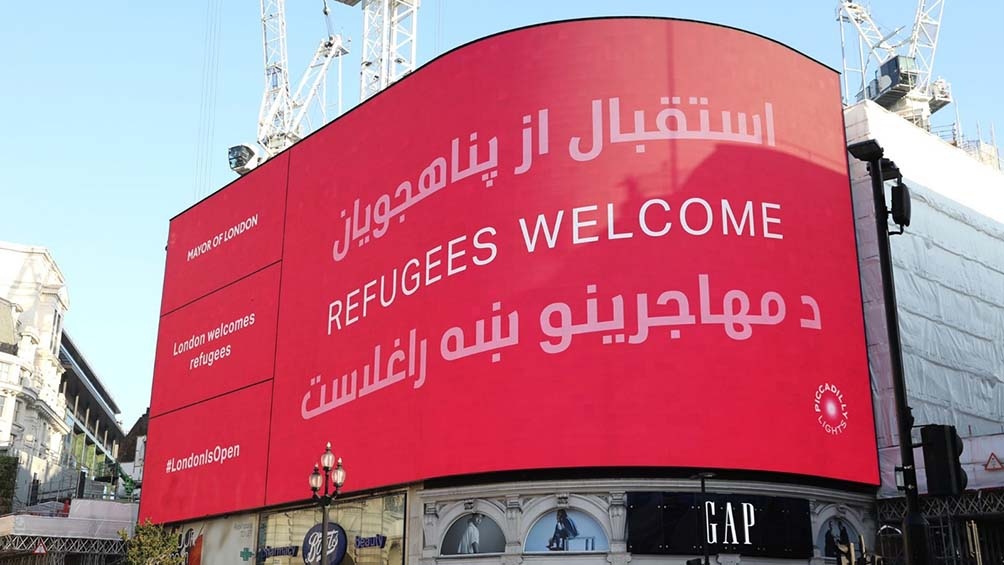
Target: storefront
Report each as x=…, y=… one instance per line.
x=370, y=531
x=577, y=522
x=364, y=531
x=641, y=521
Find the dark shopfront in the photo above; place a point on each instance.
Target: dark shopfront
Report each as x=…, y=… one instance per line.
x=580, y=522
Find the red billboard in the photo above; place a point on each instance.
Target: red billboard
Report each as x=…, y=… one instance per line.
x=230, y=234
x=214, y=345
x=545, y=249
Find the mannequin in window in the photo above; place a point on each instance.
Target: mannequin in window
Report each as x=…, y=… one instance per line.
x=830, y=542
x=471, y=538
x=564, y=528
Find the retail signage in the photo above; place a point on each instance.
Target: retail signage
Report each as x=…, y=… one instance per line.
x=577, y=239
x=333, y=550
x=371, y=541
x=268, y=552
x=297, y=533
x=689, y=523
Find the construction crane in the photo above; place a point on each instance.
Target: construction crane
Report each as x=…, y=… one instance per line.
x=283, y=115
x=894, y=69
x=390, y=31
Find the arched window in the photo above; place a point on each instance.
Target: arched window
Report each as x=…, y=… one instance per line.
x=566, y=530
x=473, y=533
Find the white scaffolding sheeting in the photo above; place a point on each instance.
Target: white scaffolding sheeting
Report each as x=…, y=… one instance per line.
x=949, y=271
x=90, y=519
x=62, y=527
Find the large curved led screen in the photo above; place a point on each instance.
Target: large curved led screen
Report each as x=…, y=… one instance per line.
x=612, y=242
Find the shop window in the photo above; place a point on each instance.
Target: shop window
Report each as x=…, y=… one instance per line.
x=566, y=530
x=473, y=533
x=374, y=528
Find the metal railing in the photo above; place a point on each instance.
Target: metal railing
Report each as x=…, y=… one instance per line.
x=984, y=152
x=961, y=530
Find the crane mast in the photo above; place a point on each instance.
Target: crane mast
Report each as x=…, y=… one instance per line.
x=275, y=113
x=283, y=115
x=390, y=32
x=924, y=43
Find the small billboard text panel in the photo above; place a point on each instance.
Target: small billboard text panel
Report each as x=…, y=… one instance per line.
x=234, y=232
x=208, y=458
x=568, y=236
x=217, y=344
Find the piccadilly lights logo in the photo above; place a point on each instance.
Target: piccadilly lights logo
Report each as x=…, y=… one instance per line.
x=829, y=405
x=218, y=454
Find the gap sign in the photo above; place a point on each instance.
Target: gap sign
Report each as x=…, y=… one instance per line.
x=684, y=523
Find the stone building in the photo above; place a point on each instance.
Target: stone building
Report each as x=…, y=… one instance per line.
x=33, y=422
x=59, y=434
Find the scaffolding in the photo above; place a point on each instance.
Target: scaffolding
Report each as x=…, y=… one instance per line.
x=985, y=152
x=19, y=550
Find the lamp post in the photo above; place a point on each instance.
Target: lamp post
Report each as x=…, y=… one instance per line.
x=334, y=475
x=914, y=525
x=703, y=476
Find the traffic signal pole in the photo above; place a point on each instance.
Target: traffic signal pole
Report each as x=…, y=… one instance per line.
x=914, y=524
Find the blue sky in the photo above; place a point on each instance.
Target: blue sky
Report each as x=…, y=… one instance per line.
x=112, y=129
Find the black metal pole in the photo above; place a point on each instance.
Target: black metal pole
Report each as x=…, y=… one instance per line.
x=914, y=525
x=324, y=526
x=704, y=502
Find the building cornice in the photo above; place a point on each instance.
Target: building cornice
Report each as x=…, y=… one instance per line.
x=644, y=485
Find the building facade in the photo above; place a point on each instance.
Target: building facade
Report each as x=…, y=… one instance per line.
x=949, y=274
x=33, y=423
x=92, y=467
x=516, y=520
x=59, y=435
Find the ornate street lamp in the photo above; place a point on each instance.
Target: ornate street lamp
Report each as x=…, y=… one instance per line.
x=334, y=475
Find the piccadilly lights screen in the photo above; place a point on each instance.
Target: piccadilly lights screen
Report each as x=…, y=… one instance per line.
x=611, y=242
